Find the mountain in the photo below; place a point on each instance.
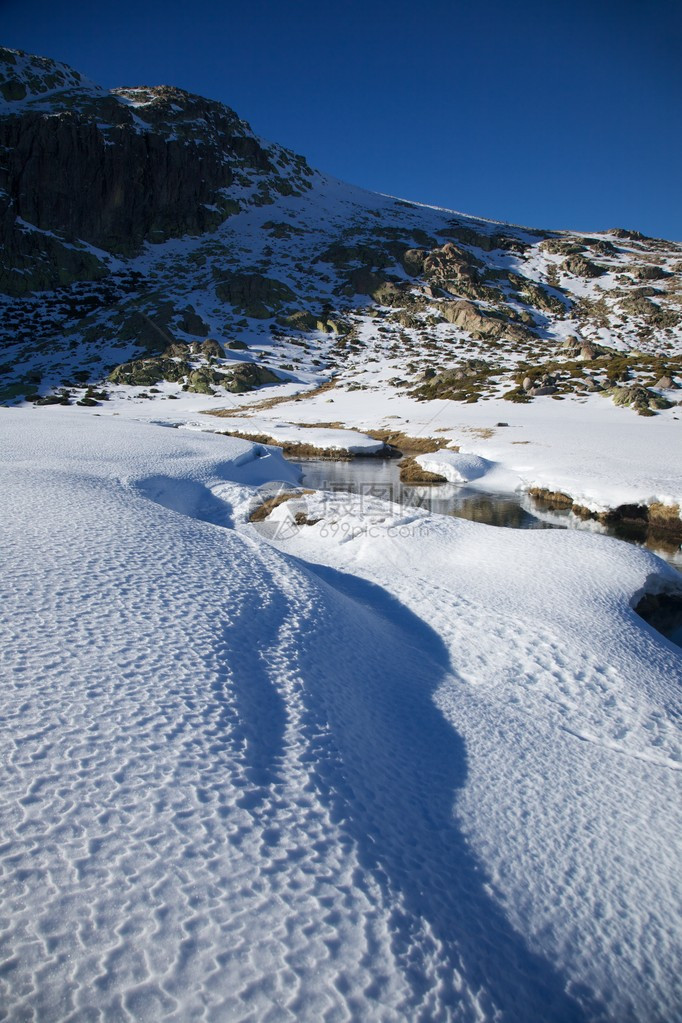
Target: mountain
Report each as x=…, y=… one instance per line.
x=148, y=235
x=273, y=750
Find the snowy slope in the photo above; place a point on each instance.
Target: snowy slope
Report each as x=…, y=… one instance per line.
x=379, y=780
x=214, y=262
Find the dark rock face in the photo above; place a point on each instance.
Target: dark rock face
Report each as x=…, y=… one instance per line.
x=63, y=174
x=256, y=295
x=113, y=170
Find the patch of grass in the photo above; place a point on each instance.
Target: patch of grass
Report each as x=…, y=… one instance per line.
x=551, y=498
x=412, y=472
x=294, y=449
x=261, y=513
x=403, y=442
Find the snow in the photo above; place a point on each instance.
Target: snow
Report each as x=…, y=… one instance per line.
x=357, y=761
x=286, y=433
x=601, y=455
x=368, y=769
x=454, y=466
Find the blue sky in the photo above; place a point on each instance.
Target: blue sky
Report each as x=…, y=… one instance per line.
x=554, y=114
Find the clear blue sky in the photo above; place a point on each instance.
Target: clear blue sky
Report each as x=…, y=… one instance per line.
x=562, y=113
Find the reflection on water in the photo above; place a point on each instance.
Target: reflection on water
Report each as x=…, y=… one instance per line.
x=381, y=478
x=664, y=612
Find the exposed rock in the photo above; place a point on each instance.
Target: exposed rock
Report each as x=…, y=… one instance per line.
x=301, y=319
x=204, y=379
x=255, y=295
x=377, y=257
x=146, y=372
x=381, y=289
x=561, y=246
x=413, y=261
x=621, y=232
x=469, y=317
x=192, y=323
x=536, y=295
x=248, y=375
x=641, y=399
x=95, y=168
x=603, y=247
x=114, y=190
x=650, y=273
x=637, y=304
x=581, y=267
x=482, y=240
x=210, y=349
x=150, y=331
x=33, y=261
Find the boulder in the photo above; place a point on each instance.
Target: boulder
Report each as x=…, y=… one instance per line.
x=378, y=287
x=255, y=295
x=650, y=273
x=192, y=323
x=469, y=317
x=413, y=261
x=145, y=372
x=203, y=380
x=246, y=376
x=581, y=267
x=301, y=319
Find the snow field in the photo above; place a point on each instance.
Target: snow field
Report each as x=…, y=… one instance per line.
x=367, y=778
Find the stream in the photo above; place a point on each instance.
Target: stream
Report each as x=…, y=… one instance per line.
x=380, y=478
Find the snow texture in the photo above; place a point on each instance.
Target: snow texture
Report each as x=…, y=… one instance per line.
x=403, y=768
x=454, y=466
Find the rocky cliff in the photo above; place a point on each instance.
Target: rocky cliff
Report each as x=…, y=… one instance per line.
x=115, y=169
x=140, y=224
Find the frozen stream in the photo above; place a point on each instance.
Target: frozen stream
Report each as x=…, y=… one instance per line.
x=517, y=510
x=381, y=478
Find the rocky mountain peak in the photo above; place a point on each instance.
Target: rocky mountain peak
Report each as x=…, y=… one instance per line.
x=141, y=221
x=27, y=79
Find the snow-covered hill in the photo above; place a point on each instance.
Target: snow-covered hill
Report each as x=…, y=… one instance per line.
x=346, y=760
x=154, y=247
x=384, y=779
x=145, y=221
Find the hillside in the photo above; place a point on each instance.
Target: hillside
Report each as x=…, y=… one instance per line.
x=275, y=751
x=149, y=233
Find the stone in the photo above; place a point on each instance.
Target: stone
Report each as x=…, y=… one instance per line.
x=469, y=317
x=210, y=349
x=581, y=267
x=246, y=376
x=413, y=261
x=145, y=372
x=300, y=319
x=203, y=380
x=192, y=323
x=257, y=296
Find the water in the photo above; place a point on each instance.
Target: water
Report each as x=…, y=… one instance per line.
x=381, y=478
